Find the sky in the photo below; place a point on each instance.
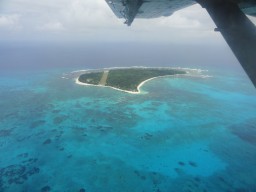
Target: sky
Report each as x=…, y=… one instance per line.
x=93, y=20
x=93, y=25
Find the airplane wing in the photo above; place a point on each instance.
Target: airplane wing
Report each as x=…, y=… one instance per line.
x=130, y=9
x=228, y=15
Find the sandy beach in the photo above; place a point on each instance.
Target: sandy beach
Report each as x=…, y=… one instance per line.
x=189, y=72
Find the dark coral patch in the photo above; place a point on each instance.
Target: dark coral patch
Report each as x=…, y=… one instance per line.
x=13, y=170
x=33, y=171
x=193, y=164
x=16, y=174
x=46, y=189
x=5, y=132
x=181, y=163
x=30, y=161
x=56, y=111
x=178, y=171
x=23, y=155
x=82, y=190
x=103, y=128
x=147, y=136
x=38, y=123
x=60, y=119
x=47, y=141
x=79, y=130
x=197, y=179
x=137, y=173
x=61, y=149
x=246, y=131
x=20, y=139
x=241, y=190
x=57, y=137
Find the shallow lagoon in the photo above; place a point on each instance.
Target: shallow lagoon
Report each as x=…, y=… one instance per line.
x=185, y=134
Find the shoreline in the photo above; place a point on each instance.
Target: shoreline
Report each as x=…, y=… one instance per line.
x=141, y=67
x=189, y=72
x=103, y=86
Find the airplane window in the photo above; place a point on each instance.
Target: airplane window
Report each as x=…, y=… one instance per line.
x=127, y=95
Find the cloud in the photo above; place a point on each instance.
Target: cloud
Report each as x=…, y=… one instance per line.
x=51, y=27
x=88, y=15
x=180, y=21
x=93, y=20
x=9, y=22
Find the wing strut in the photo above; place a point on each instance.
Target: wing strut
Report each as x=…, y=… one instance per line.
x=238, y=31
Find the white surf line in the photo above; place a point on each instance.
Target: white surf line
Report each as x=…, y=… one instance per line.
x=86, y=84
x=132, y=92
x=140, y=67
x=189, y=73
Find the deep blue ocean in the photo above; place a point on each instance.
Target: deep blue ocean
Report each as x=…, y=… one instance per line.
x=187, y=134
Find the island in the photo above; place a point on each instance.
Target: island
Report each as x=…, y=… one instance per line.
x=125, y=79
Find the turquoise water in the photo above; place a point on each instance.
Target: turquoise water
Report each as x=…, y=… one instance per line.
x=188, y=134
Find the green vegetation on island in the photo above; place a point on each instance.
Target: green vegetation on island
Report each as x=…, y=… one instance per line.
x=91, y=78
x=127, y=79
